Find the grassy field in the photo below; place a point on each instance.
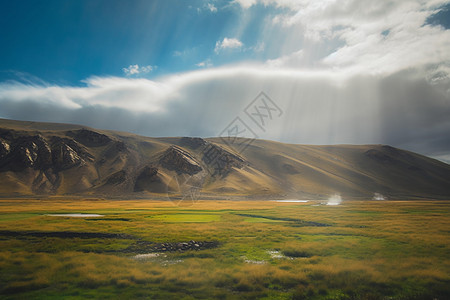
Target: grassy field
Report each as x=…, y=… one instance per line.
x=260, y=250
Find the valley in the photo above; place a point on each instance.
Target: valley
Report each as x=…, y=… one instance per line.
x=224, y=249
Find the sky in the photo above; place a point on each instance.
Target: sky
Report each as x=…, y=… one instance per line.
x=333, y=71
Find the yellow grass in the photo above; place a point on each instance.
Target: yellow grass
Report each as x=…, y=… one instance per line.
x=371, y=250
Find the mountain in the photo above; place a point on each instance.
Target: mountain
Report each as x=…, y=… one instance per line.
x=46, y=159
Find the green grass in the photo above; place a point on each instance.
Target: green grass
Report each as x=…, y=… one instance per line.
x=371, y=250
x=15, y=217
x=187, y=218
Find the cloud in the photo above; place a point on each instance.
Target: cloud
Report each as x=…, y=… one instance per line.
x=136, y=70
x=208, y=7
x=293, y=59
x=205, y=64
x=228, y=43
x=245, y=3
x=121, y=93
x=211, y=7
x=359, y=36
x=320, y=107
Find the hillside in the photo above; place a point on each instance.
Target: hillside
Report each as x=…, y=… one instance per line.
x=44, y=159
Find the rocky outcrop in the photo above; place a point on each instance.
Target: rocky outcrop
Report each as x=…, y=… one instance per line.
x=89, y=138
x=44, y=153
x=37, y=153
x=180, y=161
x=64, y=157
x=221, y=161
x=4, y=148
x=67, y=153
x=81, y=150
x=27, y=152
x=148, y=180
x=192, y=142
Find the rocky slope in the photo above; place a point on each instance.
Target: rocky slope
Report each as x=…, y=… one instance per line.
x=44, y=159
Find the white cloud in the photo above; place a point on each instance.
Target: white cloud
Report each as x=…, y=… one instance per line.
x=207, y=7
x=369, y=37
x=228, y=43
x=121, y=93
x=320, y=107
x=245, y=3
x=211, y=7
x=136, y=70
x=293, y=59
x=45, y=94
x=205, y=64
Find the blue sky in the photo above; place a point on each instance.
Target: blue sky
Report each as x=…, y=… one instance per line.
x=342, y=71
x=68, y=41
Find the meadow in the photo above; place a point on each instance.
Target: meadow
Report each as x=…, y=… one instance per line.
x=235, y=250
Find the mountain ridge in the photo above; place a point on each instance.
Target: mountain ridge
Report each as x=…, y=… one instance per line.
x=52, y=159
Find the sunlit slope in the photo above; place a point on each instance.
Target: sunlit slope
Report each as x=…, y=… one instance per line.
x=352, y=170
x=61, y=159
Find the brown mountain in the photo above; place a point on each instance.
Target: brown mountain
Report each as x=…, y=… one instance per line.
x=43, y=159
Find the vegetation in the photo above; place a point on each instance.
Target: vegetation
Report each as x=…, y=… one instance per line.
x=265, y=250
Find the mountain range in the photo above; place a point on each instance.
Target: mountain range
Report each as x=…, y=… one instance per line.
x=59, y=160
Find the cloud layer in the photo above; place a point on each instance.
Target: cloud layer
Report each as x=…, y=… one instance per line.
x=401, y=109
x=358, y=36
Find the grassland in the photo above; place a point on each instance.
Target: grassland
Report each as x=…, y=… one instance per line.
x=266, y=250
